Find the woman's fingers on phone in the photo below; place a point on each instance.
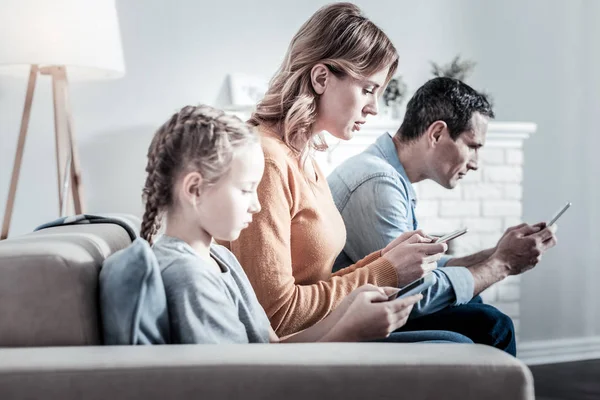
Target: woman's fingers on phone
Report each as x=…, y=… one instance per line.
x=409, y=235
x=404, y=237
x=401, y=317
x=373, y=296
x=405, y=302
x=433, y=258
x=418, y=238
x=433, y=248
x=389, y=290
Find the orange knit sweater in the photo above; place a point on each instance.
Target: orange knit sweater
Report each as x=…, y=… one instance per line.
x=289, y=249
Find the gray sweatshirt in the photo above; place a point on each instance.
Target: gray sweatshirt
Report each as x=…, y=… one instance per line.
x=206, y=306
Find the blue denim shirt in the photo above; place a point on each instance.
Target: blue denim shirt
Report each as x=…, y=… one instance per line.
x=377, y=202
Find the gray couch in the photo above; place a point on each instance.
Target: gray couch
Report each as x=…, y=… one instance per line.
x=50, y=346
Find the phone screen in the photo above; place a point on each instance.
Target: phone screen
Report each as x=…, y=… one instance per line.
x=451, y=236
x=406, y=288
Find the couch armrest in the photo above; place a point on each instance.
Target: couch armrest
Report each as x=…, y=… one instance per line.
x=271, y=371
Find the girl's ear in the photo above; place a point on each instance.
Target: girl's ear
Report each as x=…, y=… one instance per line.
x=191, y=187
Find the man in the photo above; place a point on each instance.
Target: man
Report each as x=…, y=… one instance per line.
x=444, y=127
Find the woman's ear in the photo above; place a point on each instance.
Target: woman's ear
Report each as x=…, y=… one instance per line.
x=319, y=78
x=435, y=131
x=191, y=187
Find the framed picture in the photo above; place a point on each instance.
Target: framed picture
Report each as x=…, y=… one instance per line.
x=246, y=90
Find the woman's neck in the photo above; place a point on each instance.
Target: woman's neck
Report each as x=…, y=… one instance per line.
x=297, y=143
x=179, y=226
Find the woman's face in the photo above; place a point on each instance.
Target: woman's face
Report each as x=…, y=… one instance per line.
x=343, y=106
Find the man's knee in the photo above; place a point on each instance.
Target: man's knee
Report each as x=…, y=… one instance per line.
x=497, y=324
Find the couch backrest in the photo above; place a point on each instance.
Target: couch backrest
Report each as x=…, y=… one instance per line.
x=49, y=284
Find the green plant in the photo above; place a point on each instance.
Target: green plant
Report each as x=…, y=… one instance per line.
x=456, y=69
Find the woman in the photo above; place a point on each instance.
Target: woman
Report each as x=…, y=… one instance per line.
x=336, y=66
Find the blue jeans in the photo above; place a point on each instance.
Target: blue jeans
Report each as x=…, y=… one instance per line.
x=425, y=337
x=480, y=322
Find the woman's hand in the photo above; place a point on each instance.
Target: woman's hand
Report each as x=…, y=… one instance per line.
x=367, y=314
x=413, y=254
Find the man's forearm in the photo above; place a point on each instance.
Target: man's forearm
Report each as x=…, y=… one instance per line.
x=487, y=273
x=471, y=260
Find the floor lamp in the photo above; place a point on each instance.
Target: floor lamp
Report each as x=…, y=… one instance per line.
x=67, y=40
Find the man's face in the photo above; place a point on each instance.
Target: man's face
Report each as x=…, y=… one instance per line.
x=452, y=159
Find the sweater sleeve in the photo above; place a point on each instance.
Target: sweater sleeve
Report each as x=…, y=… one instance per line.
x=264, y=251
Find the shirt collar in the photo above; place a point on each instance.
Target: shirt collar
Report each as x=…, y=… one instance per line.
x=386, y=146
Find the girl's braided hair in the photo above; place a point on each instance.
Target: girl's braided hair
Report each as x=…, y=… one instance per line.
x=200, y=138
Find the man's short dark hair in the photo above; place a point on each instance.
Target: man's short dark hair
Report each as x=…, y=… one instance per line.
x=443, y=99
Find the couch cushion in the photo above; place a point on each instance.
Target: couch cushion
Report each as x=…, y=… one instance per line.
x=290, y=371
x=49, y=284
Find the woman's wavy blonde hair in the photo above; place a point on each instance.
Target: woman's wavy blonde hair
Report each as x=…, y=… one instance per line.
x=343, y=39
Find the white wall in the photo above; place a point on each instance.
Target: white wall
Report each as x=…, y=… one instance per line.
x=536, y=57
x=539, y=59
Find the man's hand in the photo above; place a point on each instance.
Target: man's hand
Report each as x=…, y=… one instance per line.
x=521, y=247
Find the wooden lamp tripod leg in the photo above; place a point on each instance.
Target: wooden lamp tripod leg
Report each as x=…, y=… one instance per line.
x=19, y=153
x=76, y=184
x=65, y=142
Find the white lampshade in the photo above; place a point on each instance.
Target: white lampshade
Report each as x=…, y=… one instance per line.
x=83, y=35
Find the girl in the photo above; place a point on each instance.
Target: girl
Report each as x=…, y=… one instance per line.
x=203, y=171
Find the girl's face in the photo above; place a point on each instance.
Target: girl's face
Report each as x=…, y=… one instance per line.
x=225, y=208
x=343, y=106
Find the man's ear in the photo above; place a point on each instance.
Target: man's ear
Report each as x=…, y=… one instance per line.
x=191, y=187
x=435, y=131
x=319, y=78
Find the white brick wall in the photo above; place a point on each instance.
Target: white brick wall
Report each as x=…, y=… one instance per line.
x=454, y=208
x=489, y=240
x=489, y=156
x=511, y=221
x=509, y=174
x=502, y=208
x=437, y=225
x=513, y=191
x=465, y=245
x=514, y=156
x=483, y=191
x=428, y=208
x=483, y=225
x=509, y=292
x=431, y=190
